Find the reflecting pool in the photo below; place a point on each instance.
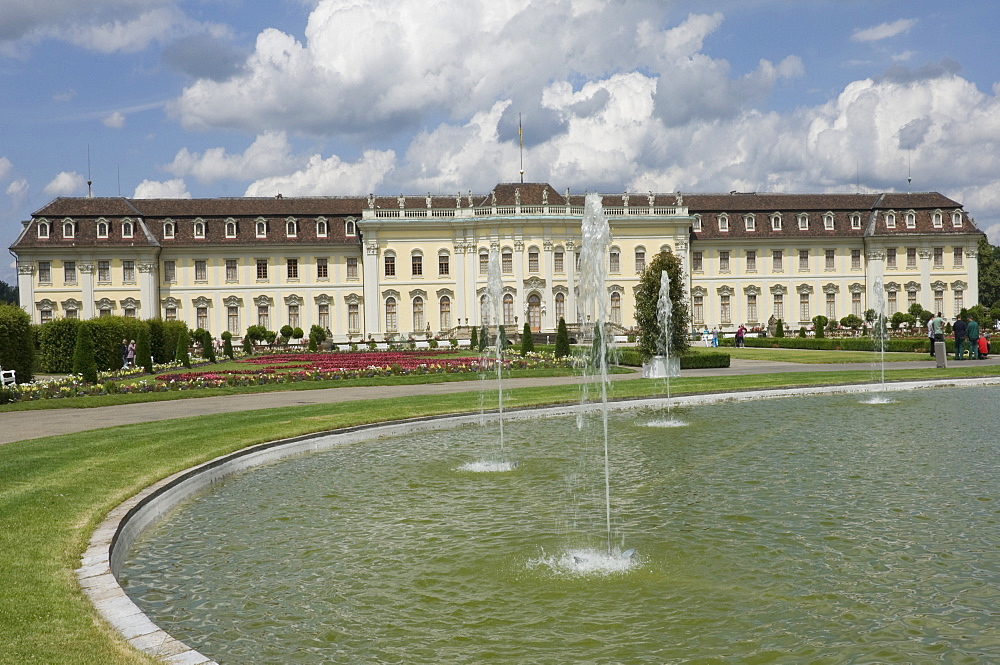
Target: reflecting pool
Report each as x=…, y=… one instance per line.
x=812, y=529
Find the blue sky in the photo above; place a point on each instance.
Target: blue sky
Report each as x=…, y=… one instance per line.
x=232, y=97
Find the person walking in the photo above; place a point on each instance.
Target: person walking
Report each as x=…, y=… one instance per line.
x=930, y=333
x=124, y=352
x=740, y=334
x=960, y=339
x=972, y=332
x=130, y=356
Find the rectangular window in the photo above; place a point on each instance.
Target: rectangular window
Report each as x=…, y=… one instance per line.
x=831, y=259
x=444, y=265
x=170, y=314
x=200, y=273
x=779, y=306
x=957, y=260
x=959, y=302
x=324, y=316
x=698, y=309
x=202, y=318
x=911, y=257
x=893, y=305
x=723, y=261
x=233, y=320
x=232, y=274
x=856, y=259
x=615, y=262
x=831, y=306
x=417, y=265
x=105, y=312
x=128, y=271
x=352, y=267
x=804, y=307
x=725, y=307
x=169, y=271
x=46, y=315
x=803, y=259
x=104, y=271
x=533, y=261
x=72, y=313
x=938, y=301
x=856, y=304
x=640, y=261
x=558, y=262
x=507, y=262
x=890, y=257
x=911, y=298
x=751, y=261
x=263, y=316
x=390, y=265
x=293, y=316
x=353, y=318
x=697, y=264
x=69, y=272
x=292, y=269
x=130, y=312
x=44, y=272
x=752, y=307
x=939, y=257
x=776, y=261
x=261, y=268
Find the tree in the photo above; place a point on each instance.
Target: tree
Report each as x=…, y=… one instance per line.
x=143, y=355
x=84, y=362
x=527, y=343
x=647, y=307
x=207, y=346
x=562, y=339
x=484, y=338
x=227, y=344
x=17, y=352
x=181, y=353
x=287, y=331
x=852, y=321
x=989, y=273
x=819, y=322
x=474, y=340
x=9, y=294
x=779, y=328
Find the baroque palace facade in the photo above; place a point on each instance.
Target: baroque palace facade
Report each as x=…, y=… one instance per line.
x=416, y=265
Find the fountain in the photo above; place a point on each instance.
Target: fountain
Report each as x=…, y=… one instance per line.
x=880, y=340
x=782, y=545
x=663, y=365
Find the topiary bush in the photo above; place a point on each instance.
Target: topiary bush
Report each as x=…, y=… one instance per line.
x=181, y=353
x=527, y=343
x=562, y=339
x=83, y=354
x=17, y=350
x=143, y=357
x=56, y=342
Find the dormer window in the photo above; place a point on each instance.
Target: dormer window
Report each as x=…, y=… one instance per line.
x=230, y=228
x=199, y=229
x=776, y=221
x=350, y=228
x=43, y=229
x=321, y=228
x=828, y=221
x=750, y=223
x=890, y=220
x=697, y=224
x=69, y=229
x=291, y=228
x=168, y=230
x=723, y=223
x=956, y=219
x=803, y=222
x=855, y=221
x=911, y=220
x=127, y=229
x=102, y=229
x=261, y=228
x=937, y=219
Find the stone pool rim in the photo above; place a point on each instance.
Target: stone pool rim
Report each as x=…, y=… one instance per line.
x=111, y=541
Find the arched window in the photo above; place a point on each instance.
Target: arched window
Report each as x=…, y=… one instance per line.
x=911, y=220
x=444, y=312
x=803, y=222
x=956, y=219
x=291, y=228
x=484, y=310
x=261, y=228
x=199, y=229
x=350, y=228
x=321, y=228
x=168, y=230
x=102, y=229
x=640, y=259
x=560, y=306
x=535, y=312
x=508, y=309
x=418, y=314
x=855, y=221
x=230, y=229
x=890, y=220
x=43, y=229
x=776, y=221
x=938, y=220
x=69, y=229
x=828, y=221
x=616, y=308
x=391, y=322
x=127, y=229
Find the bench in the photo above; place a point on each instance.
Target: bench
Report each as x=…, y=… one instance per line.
x=8, y=377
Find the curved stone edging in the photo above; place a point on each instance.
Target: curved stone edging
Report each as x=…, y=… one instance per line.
x=111, y=541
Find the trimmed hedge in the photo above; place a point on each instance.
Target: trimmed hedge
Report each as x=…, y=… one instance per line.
x=631, y=358
x=17, y=352
x=839, y=344
x=56, y=342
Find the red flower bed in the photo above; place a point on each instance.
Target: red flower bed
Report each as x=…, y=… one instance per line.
x=331, y=362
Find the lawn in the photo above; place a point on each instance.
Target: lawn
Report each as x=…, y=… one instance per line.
x=812, y=356
x=56, y=490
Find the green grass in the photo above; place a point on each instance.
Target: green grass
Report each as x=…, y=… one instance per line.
x=811, y=356
x=55, y=491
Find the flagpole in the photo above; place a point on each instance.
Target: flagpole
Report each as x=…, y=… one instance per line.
x=520, y=140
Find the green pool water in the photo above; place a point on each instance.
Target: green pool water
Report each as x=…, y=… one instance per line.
x=804, y=530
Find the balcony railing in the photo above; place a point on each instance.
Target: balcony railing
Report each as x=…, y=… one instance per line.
x=519, y=211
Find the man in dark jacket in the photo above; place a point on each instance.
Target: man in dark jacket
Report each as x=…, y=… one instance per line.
x=972, y=332
x=960, y=340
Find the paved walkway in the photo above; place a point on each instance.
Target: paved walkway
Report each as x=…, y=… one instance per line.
x=20, y=425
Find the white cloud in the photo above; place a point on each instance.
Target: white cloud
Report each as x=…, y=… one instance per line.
x=17, y=190
x=116, y=120
x=67, y=96
x=67, y=183
x=5, y=168
x=168, y=189
x=883, y=30
x=329, y=177
x=270, y=153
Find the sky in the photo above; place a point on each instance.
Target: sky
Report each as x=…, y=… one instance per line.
x=207, y=98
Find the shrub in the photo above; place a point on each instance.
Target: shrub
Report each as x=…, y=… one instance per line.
x=56, y=342
x=181, y=353
x=484, y=338
x=802, y=331
x=83, y=354
x=207, y=346
x=527, y=343
x=474, y=340
x=297, y=333
x=287, y=331
x=17, y=352
x=632, y=358
x=227, y=345
x=820, y=322
x=312, y=344
x=143, y=357
x=647, y=298
x=562, y=339
x=852, y=321
x=779, y=329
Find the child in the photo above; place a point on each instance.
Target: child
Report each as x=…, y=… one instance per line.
x=984, y=346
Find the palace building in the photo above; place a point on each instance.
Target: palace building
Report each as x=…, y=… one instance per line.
x=387, y=266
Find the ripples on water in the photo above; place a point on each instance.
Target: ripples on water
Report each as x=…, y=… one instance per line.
x=797, y=530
